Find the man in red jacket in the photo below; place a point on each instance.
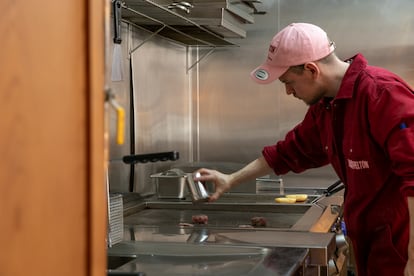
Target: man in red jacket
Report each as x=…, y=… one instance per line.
x=361, y=121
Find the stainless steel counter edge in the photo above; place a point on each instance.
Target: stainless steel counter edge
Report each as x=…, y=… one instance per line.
x=321, y=245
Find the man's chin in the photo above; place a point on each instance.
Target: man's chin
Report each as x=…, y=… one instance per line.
x=312, y=101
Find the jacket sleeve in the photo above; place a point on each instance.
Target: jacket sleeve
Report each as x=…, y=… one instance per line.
x=300, y=150
x=392, y=125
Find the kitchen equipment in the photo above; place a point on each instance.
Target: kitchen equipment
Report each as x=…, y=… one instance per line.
x=224, y=167
x=171, y=184
x=176, y=184
x=151, y=157
x=124, y=273
x=117, y=51
x=197, y=189
x=116, y=219
x=334, y=188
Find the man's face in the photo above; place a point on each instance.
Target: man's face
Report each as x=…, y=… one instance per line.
x=303, y=86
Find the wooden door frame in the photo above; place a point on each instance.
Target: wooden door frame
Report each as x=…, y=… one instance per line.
x=97, y=222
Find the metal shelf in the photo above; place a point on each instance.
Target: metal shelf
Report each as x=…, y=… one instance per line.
x=158, y=19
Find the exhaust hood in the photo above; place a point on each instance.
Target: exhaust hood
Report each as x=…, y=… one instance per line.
x=191, y=22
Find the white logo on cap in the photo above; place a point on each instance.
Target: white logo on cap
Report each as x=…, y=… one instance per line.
x=261, y=74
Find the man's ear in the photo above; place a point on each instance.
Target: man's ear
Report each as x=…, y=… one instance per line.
x=313, y=68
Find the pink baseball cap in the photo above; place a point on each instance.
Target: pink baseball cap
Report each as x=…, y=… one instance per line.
x=296, y=44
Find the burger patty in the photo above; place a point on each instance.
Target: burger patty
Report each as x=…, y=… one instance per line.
x=199, y=219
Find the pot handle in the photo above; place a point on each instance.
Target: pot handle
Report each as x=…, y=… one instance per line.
x=334, y=188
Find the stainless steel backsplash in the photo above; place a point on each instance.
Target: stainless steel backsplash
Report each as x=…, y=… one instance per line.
x=214, y=112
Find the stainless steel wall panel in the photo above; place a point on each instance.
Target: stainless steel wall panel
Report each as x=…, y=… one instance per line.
x=238, y=117
x=215, y=113
x=162, y=104
x=162, y=107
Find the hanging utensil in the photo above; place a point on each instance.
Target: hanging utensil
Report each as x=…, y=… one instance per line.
x=116, y=74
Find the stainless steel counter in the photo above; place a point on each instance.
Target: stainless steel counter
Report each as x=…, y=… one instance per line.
x=155, y=258
x=165, y=225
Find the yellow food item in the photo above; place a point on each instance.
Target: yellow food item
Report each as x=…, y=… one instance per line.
x=285, y=200
x=299, y=197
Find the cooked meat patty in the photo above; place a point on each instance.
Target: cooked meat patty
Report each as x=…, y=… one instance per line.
x=258, y=221
x=200, y=219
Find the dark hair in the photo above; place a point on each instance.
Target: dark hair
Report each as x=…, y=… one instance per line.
x=298, y=69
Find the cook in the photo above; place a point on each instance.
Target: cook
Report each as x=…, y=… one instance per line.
x=361, y=121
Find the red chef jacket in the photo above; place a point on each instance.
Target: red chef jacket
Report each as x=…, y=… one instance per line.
x=367, y=134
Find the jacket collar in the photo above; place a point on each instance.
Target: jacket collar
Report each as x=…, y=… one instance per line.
x=357, y=64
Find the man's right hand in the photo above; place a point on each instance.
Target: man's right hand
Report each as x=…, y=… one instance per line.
x=222, y=182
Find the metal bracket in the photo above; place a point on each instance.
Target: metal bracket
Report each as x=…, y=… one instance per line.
x=201, y=58
x=147, y=39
